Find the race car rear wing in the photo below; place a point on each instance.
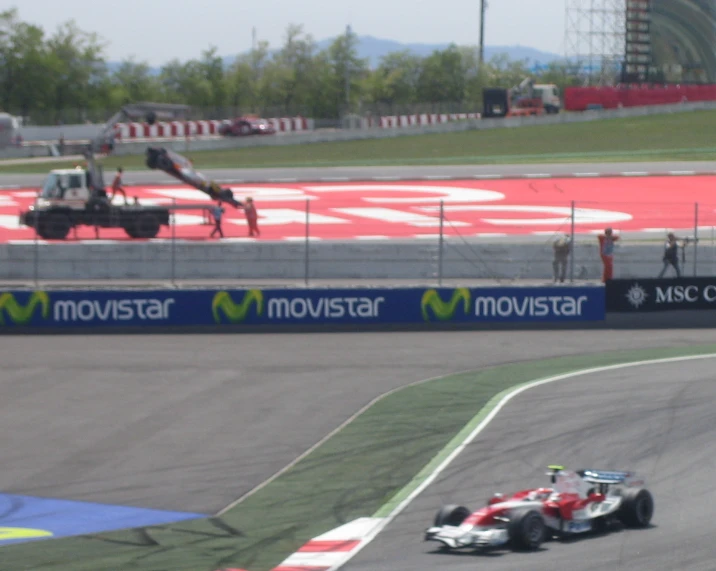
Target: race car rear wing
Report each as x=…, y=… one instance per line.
x=611, y=477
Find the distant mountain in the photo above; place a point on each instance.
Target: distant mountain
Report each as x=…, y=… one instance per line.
x=374, y=49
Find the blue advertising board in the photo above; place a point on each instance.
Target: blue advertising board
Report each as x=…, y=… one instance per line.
x=177, y=308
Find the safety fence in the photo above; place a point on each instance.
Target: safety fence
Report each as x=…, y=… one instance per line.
x=331, y=238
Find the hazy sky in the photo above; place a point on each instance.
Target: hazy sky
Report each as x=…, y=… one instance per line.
x=159, y=30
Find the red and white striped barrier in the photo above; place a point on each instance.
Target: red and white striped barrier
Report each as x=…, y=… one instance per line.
x=180, y=129
x=400, y=121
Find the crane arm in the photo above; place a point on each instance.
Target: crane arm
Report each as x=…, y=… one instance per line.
x=181, y=168
x=148, y=112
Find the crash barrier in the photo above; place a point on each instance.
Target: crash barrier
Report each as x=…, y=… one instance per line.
x=176, y=129
x=582, y=98
x=652, y=295
x=50, y=309
x=175, y=261
x=144, y=130
x=398, y=121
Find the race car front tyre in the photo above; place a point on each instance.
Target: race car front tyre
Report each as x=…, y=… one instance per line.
x=637, y=508
x=451, y=515
x=526, y=529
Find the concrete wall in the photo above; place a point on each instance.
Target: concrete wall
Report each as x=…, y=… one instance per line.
x=362, y=260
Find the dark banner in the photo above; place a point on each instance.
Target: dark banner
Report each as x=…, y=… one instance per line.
x=660, y=294
x=93, y=309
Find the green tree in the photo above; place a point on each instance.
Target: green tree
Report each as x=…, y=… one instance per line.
x=443, y=77
x=395, y=81
x=134, y=81
x=345, y=74
x=23, y=65
x=77, y=70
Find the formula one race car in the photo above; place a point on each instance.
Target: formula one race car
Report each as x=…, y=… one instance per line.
x=577, y=502
x=182, y=169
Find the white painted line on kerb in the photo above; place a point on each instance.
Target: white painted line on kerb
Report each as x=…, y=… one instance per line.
x=486, y=421
x=586, y=174
x=682, y=173
x=635, y=174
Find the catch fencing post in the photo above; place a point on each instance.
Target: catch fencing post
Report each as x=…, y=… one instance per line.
x=696, y=235
x=307, y=259
x=441, y=244
x=174, y=230
x=571, y=248
x=36, y=256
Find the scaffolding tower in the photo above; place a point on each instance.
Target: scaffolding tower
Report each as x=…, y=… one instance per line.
x=595, y=39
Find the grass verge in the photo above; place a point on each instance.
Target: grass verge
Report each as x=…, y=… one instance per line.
x=351, y=475
x=679, y=136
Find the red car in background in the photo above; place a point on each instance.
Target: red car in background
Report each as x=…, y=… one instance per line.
x=245, y=126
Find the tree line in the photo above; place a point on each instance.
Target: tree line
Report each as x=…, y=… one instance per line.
x=65, y=77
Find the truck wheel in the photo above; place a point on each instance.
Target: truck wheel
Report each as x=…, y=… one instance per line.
x=55, y=226
x=146, y=225
x=451, y=515
x=526, y=529
x=637, y=508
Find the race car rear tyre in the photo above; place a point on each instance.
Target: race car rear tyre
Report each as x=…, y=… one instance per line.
x=637, y=508
x=526, y=529
x=451, y=515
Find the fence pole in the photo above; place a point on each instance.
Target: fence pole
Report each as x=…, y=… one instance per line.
x=307, y=259
x=441, y=243
x=571, y=247
x=174, y=240
x=696, y=235
x=36, y=254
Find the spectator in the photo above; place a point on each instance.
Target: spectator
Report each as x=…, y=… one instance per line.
x=217, y=212
x=606, y=251
x=251, y=217
x=117, y=187
x=562, y=247
x=671, y=255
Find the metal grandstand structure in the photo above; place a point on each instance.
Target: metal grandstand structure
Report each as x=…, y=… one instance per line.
x=595, y=39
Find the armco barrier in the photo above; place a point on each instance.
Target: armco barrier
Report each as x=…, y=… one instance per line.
x=651, y=295
x=97, y=310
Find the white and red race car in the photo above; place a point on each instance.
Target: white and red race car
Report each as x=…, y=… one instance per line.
x=577, y=502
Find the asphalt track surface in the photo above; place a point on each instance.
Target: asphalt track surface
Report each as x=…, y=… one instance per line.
x=453, y=171
x=657, y=420
x=193, y=422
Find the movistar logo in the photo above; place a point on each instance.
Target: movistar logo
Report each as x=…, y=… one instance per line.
x=22, y=314
x=444, y=311
x=236, y=312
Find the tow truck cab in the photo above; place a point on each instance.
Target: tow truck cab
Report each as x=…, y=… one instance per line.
x=65, y=186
